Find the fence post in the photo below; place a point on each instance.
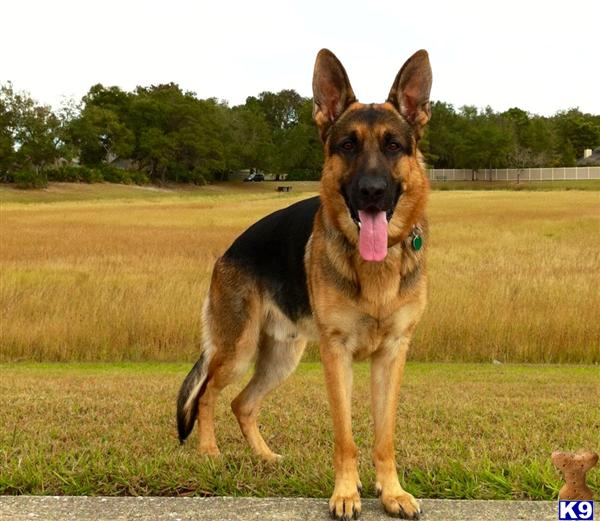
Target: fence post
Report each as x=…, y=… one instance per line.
x=552, y=173
x=529, y=173
x=564, y=172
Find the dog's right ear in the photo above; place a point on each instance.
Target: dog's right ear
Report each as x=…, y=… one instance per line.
x=332, y=92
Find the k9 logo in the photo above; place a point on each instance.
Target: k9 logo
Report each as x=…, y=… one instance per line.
x=568, y=510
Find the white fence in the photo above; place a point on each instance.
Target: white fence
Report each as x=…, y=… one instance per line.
x=516, y=174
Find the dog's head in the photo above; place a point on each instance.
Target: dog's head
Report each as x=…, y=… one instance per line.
x=373, y=185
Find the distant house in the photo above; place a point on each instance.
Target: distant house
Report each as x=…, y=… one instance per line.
x=590, y=158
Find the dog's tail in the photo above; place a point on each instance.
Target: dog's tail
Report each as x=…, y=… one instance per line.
x=191, y=390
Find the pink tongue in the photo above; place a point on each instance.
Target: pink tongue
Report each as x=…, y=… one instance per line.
x=372, y=236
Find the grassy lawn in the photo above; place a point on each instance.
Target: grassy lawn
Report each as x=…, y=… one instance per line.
x=73, y=192
x=109, y=272
x=463, y=431
x=62, y=192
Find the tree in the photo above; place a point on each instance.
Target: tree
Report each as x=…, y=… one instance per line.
x=275, y=132
x=172, y=135
x=442, y=136
x=300, y=152
x=7, y=130
x=281, y=110
x=29, y=136
x=38, y=137
x=178, y=137
x=252, y=137
x=100, y=135
x=533, y=139
x=486, y=140
x=576, y=132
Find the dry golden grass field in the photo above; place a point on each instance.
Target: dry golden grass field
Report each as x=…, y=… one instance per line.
x=113, y=273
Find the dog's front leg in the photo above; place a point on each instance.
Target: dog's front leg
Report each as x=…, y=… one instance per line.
x=386, y=377
x=337, y=362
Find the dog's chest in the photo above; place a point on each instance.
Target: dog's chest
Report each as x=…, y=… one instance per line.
x=363, y=333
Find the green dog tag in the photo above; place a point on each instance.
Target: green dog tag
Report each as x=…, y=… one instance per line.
x=417, y=242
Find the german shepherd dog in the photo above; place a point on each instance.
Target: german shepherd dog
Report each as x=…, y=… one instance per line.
x=346, y=268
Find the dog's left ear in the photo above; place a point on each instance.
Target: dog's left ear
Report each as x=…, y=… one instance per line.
x=410, y=91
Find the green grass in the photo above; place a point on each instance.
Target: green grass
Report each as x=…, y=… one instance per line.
x=463, y=431
x=61, y=192
x=82, y=192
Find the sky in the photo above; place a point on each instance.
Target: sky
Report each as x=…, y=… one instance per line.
x=541, y=56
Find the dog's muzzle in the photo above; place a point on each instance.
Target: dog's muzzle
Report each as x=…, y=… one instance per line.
x=371, y=200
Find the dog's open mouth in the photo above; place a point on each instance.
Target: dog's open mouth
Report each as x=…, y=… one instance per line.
x=373, y=233
x=372, y=223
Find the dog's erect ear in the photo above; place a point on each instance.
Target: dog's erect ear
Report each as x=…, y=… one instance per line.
x=332, y=92
x=410, y=91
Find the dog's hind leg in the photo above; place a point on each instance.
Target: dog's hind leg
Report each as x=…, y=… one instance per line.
x=224, y=374
x=232, y=322
x=275, y=362
x=229, y=365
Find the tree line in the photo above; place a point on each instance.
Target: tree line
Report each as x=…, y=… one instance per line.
x=162, y=134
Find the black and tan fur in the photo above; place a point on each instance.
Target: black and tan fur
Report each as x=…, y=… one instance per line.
x=297, y=275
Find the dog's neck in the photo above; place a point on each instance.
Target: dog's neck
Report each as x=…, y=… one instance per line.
x=403, y=263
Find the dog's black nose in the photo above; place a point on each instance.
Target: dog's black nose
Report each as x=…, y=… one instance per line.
x=372, y=188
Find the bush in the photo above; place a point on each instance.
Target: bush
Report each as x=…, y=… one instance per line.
x=139, y=178
x=64, y=174
x=196, y=176
x=74, y=174
x=112, y=174
x=30, y=179
x=90, y=175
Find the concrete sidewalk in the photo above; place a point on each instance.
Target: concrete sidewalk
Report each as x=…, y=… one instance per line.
x=51, y=508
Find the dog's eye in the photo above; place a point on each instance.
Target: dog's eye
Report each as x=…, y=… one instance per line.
x=392, y=146
x=347, y=145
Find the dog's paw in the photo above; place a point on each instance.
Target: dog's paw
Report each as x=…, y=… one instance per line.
x=271, y=457
x=210, y=450
x=345, y=502
x=402, y=505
